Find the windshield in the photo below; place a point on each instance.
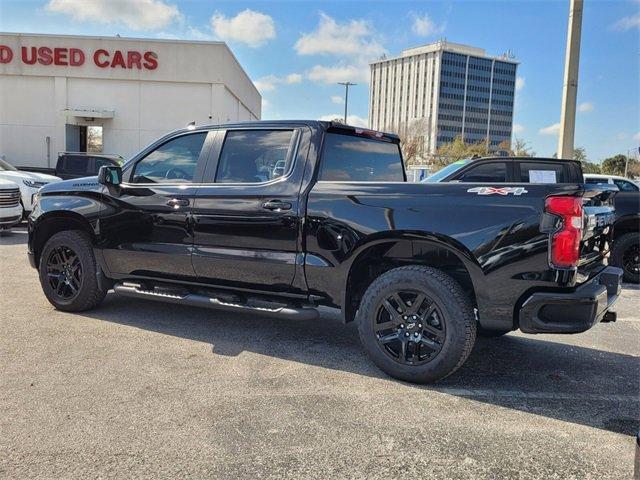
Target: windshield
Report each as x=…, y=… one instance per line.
x=4, y=166
x=446, y=171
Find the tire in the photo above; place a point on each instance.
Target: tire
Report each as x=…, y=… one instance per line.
x=481, y=332
x=624, y=255
x=76, y=288
x=445, y=336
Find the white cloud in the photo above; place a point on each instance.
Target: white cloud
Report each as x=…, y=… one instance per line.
x=551, y=129
x=622, y=136
x=517, y=128
x=355, y=38
x=249, y=27
x=339, y=73
x=585, y=107
x=637, y=136
x=354, y=42
x=135, y=14
x=354, y=120
x=628, y=23
x=270, y=82
x=337, y=99
x=520, y=83
x=266, y=84
x=293, y=78
x=425, y=27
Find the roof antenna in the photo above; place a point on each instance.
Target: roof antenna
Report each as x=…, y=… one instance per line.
x=191, y=125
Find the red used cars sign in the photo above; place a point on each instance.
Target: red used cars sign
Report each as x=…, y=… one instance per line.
x=76, y=57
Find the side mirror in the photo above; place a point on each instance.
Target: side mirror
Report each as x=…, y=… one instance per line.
x=110, y=175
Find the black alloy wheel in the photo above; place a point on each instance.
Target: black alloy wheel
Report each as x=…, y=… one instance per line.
x=410, y=328
x=631, y=260
x=625, y=254
x=64, y=272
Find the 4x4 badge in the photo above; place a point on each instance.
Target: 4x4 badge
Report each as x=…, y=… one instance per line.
x=497, y=191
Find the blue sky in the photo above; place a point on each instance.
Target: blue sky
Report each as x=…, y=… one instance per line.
x=296, y=51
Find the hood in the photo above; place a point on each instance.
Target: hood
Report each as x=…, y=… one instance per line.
x=83, y=184
x=7, y=184
x=22, y=175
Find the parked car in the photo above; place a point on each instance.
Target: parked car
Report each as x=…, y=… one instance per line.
x=78, y=164
x=28, y=183
x=10, y=209
x=417, y=266
x=510, y=170
x=625, y=252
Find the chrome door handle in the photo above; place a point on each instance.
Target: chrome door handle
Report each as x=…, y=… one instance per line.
x=178, y=202
x=276, y=205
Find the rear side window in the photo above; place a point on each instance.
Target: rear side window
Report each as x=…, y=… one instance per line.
x=76, y=164
x=495, y=172
x=101, y=162
x=531, y=172
x=356, y=159
x=625, y=186
x=254, y=156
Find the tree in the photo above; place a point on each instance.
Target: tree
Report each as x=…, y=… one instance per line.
x=580, y=154
x=457, y=150
x=520, y=148
x=412, y=141
x=615, y=165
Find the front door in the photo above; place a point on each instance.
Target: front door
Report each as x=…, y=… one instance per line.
x=146, y=225
x=246, y=227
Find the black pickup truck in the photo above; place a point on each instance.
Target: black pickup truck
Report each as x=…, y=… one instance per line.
x=77, y=164
x=277, y=218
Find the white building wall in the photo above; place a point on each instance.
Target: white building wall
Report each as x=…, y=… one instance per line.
x=194, y=81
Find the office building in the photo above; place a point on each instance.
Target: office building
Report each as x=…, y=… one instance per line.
x=444, y=90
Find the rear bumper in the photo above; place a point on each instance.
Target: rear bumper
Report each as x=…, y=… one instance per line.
x=572, y=312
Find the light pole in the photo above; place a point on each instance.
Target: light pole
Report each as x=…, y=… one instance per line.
x=570, y=87
x=346, y=97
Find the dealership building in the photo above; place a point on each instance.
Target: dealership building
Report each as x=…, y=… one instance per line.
x=110, y=94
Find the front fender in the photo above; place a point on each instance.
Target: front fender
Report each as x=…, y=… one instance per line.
x=54, y=213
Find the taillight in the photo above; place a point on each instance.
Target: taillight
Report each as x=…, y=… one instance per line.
x=565, y=243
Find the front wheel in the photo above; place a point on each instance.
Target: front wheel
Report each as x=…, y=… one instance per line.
x=416, y=324
x=626, y=255
x=68, y=272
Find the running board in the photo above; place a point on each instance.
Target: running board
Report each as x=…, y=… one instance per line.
x=196, y=300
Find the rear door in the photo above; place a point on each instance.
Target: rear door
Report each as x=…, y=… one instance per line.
x=147, y=226
x=246, y=214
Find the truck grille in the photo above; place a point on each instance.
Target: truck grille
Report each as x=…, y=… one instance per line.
x=9, y=197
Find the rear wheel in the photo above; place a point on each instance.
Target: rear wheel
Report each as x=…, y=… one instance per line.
x=626, y=255
x=416, y=324
x=68, y=272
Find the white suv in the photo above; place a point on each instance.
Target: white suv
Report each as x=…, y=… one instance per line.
x=10, y=208
x=28, y=182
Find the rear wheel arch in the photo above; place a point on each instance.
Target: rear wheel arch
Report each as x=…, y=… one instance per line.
x=382, y=255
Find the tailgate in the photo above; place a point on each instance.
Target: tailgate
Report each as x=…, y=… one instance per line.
x=597, y=231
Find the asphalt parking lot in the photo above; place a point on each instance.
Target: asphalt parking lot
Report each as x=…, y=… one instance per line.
x=148, y=390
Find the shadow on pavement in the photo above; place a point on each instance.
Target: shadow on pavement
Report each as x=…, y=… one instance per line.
x=15, y=236
x=565, y=382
